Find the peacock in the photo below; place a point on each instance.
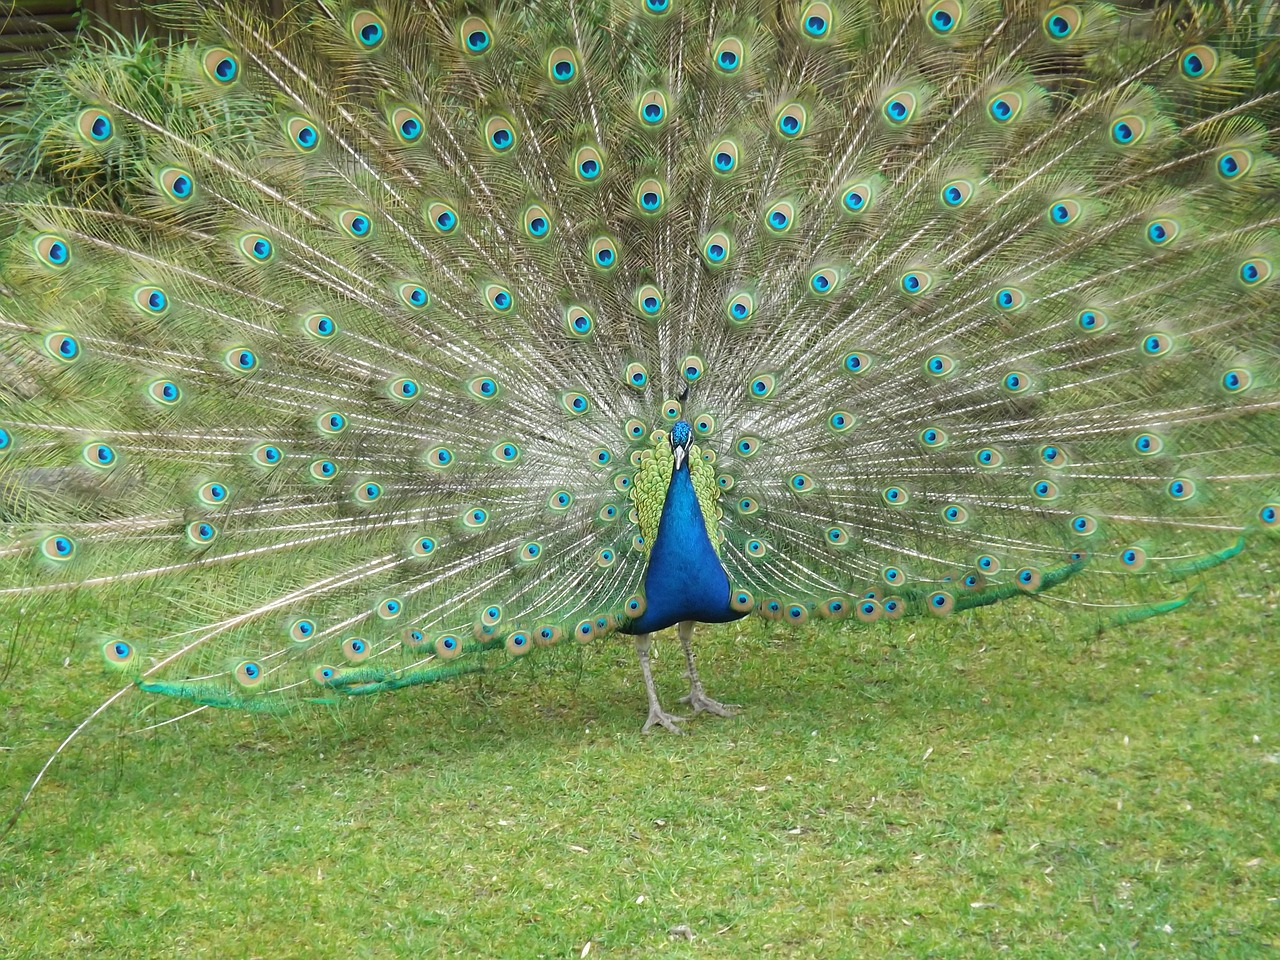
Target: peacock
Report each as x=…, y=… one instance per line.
x=376, y=344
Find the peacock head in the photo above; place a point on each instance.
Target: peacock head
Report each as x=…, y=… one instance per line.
x=681, y=440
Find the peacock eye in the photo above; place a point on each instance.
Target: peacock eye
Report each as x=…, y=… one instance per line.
x=368, y=30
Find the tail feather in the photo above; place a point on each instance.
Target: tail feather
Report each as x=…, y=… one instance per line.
x=346, y=336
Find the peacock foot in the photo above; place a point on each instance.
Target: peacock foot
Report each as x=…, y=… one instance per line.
x=663, y=719
x=701, y=703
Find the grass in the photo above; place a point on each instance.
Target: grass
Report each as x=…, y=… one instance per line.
x=995, y=782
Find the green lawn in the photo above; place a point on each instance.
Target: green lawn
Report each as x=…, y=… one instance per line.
x=995, y=782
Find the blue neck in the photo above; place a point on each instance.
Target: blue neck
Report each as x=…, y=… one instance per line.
x=685, y=579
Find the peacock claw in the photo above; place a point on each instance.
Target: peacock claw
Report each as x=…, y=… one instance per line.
x=663, y=719
x=701, y=703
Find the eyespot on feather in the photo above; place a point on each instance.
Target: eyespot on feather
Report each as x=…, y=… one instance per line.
x=761, y=387
x=303, y=133
x=536, y=222
x=725, y=157
x=447, y=647
x=118, y=653
x=498, y=298
x=728, y=56
x=442, y=217
x=562, y=66
x=649, y=301
x=1198, y=63
x=52, y=250
x=1128, y=130
x=791, y=120
x=650, y=196
x=944, y=17
x=1009, y=299
x=323, y=469
x=407, y=124
x=1062, y=23
x=221, y=66
x=256, y=248
x=717, y=249
x=320, y=325
x=356, y=223
x=266, y=455
x=955, y=194
x=475, y=36
x=1064, y=212
x=604, y=253
x=817, y=21
x=899, y=109
x=368, y=30
x=652, y=109
x=58, y=547
x=916, y=283
x=499, y=135
x=95, y=126
x=588, y=164
x=740, y=308
x=415, y=296
x=940, y=603
x=780, y=217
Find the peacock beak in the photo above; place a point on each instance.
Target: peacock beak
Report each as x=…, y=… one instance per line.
x=680, y=453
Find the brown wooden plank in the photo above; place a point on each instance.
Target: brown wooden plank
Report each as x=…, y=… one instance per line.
x=62, y=23
x=32, y=41
x=38, y=7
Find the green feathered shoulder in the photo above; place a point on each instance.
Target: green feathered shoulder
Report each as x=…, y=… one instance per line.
x=653, y=477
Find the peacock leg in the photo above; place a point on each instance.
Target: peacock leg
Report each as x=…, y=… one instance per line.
x=697, y=697
x=657, y=715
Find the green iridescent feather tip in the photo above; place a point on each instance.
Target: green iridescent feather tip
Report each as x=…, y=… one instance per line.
x=378, y=344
